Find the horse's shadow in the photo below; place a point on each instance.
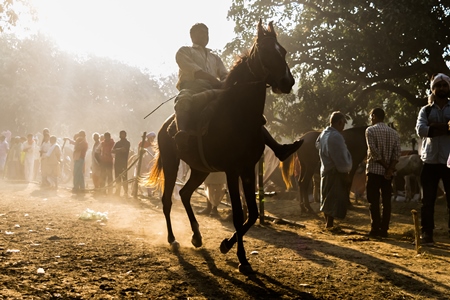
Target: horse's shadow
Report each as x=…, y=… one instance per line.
x=256, y=289
x=310, y=249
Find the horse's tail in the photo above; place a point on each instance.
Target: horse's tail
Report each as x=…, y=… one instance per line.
x=287, y=170
x=155, y=177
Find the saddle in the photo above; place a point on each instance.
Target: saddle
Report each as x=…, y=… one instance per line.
x=202, y=107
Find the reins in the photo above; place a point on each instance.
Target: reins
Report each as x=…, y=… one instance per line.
x=254, y=53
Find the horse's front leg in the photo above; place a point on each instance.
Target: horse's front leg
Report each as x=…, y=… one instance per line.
x=195, y=179
x=248, y=183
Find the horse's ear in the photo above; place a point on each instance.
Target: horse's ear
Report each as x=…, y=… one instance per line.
x=260, y=29
x=271, y=29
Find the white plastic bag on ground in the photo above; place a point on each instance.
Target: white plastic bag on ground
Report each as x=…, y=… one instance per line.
x=90, y=214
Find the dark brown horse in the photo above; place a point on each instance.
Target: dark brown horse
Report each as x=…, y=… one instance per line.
x=308, y=155
x=233, y=142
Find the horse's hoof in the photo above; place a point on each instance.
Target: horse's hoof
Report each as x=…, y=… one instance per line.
x=246, y=269
x=196, y=241
x=175, y=246
x=224, y=247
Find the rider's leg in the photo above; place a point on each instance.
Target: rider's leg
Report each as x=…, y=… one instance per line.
x=282, y=151
x=182, y=106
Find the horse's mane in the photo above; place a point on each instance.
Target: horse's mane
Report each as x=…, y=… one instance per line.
x=234, y=75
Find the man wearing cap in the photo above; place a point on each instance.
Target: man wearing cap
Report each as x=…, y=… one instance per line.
x=201, y=70
x=433, y=127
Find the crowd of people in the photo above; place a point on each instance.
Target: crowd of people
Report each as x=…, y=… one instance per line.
x=28, y=157
x=383, y=144
x=39, y=158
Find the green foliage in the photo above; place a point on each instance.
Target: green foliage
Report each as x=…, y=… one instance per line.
x=41, y=86
x=351, y=55
x=12, y=12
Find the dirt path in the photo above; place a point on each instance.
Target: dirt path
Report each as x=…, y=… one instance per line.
x=127, y=256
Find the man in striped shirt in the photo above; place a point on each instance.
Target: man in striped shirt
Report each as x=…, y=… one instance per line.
x=383, y=152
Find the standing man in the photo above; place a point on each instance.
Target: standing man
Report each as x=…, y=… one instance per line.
x=95, y=157
x=383, y=153
x=201, y=70
x=335, y=164
x=4, y=149
x=29, y=149
x=148, y=159
x=433, y=127
x=45, y=146
x=121, y=150
x=107, y=162
x=53, y=160
x=215, y=189
x=79, y=154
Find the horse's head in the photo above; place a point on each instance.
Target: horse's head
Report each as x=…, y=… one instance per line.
x=267, y=61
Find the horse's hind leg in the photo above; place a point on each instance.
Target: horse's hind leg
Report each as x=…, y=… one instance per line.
x=170, y=163
x=195, y=179
x=169, y=184
x=304, y=185
x=304, y=199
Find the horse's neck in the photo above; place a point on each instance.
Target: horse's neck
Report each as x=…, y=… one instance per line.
x=240, y=74
x=252, y=91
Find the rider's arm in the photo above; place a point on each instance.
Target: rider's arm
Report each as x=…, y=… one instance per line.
x=208, y=77
x=185, y=62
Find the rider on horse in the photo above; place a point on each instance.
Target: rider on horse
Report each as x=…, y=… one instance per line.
x=200, y=71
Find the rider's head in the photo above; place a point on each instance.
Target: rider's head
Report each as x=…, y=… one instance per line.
x=199, y=34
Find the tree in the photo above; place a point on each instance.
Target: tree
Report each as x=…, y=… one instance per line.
x=350, y=55
x=11, y=11
x=41, y=86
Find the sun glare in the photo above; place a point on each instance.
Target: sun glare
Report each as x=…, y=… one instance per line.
x=138, y=32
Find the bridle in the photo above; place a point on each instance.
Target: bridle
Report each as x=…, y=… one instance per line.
x=254, y=54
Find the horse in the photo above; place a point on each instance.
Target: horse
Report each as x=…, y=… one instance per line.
x=233, y=142
x=308, y=155
x=408, y=167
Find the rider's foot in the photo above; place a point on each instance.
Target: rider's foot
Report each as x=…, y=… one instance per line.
x=182, y=140
x=286, y=150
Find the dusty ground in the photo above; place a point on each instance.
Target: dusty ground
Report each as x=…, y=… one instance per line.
x=127, y=257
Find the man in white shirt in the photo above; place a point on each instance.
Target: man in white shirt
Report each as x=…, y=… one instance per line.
x=336, y=163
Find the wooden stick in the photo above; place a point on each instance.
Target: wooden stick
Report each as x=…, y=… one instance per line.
x=416, y=229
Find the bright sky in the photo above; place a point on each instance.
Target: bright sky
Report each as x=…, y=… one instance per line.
x=143, y=33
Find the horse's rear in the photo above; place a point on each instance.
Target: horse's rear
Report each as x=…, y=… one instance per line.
x=308, y=156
